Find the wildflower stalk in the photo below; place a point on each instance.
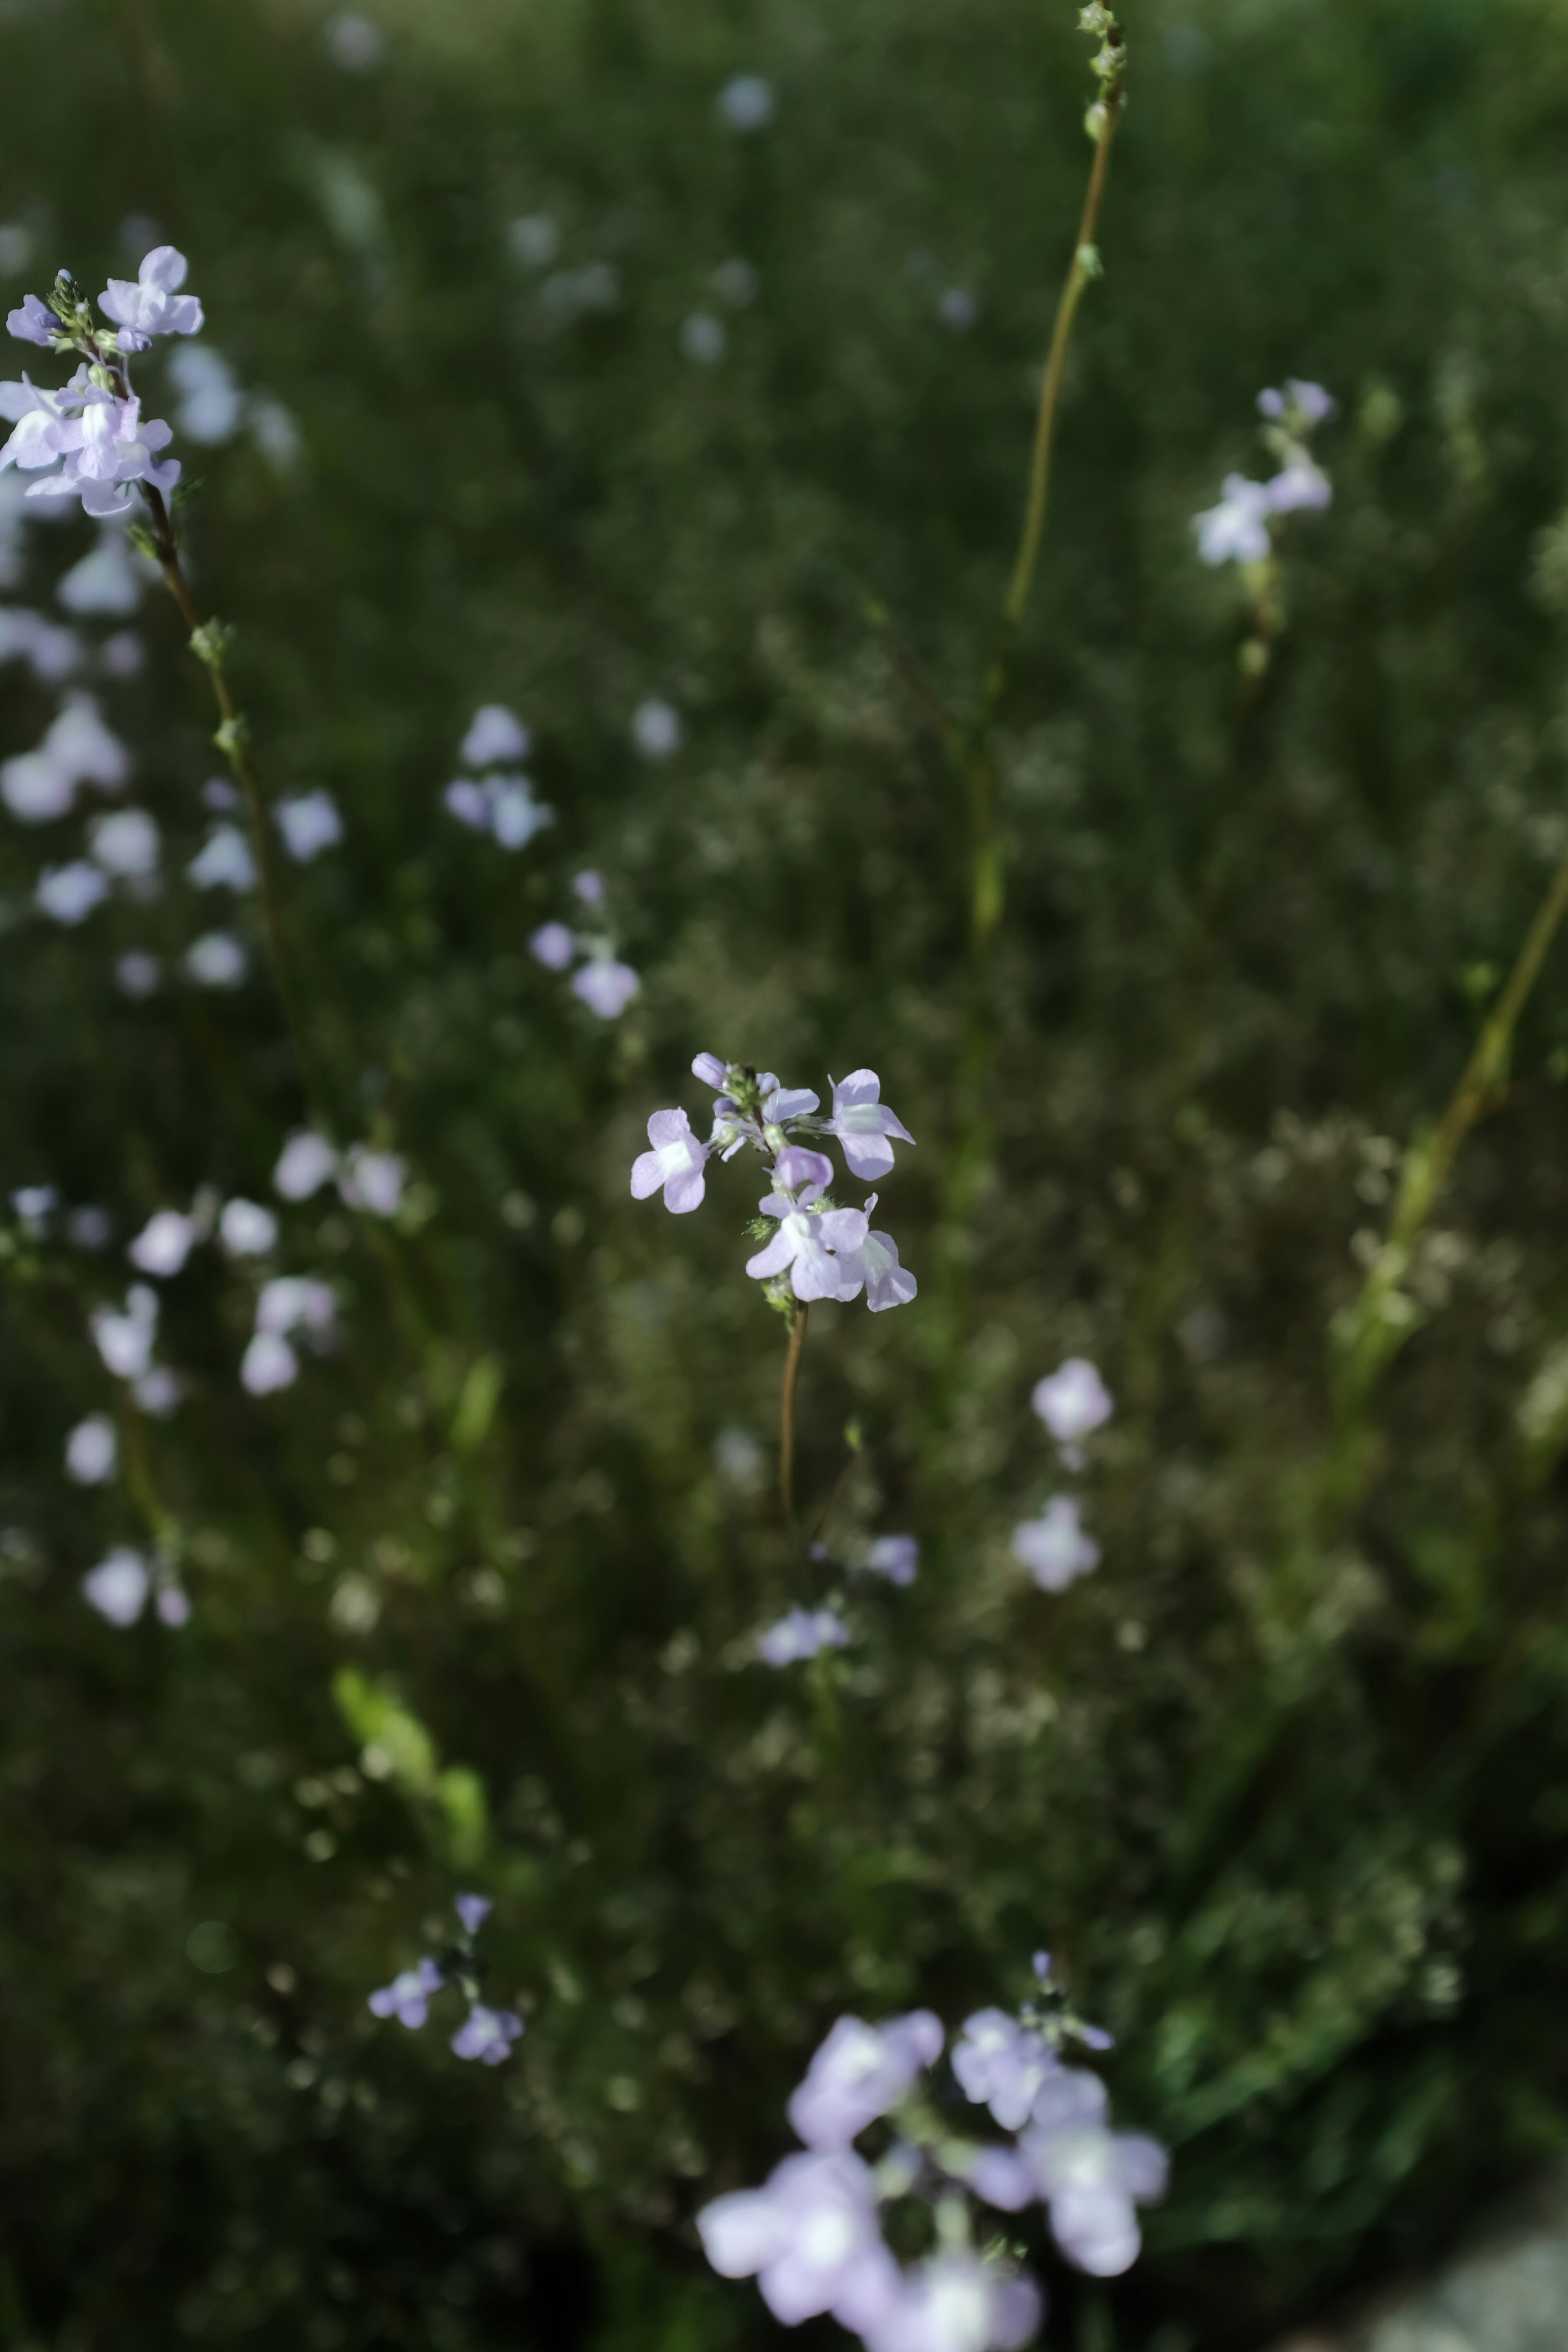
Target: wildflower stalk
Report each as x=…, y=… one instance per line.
x=786, y=1414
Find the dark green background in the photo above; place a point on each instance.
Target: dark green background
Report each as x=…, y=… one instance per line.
x=1292, y=1809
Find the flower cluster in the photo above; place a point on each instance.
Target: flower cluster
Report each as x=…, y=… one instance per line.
x=606, y=985
x=818, y=1250
x=88, y=439
x=497, y=798
x=1238, y=530
x=119, y=1586
x=485, y=2033
x=802, y=1634
x=1073, y=1401
x=813, y=2235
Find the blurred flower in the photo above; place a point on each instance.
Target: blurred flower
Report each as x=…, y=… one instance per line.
x=137, y=975
x=92, y=1451
x=703, y=339
x=117, y=1587
x=958, y=309
x=1236, y=531
x=407, y=1997
x=1001, y=2064
x=496, y=736
x=862, y=2071
x=157, y=1391
x=292, y=1302
x=268, y=1364
x=736, y=281
x=535, y=241
x=589, y=887
x=515, y=816
x=163, y=1244
x=1073, y=1400
x=89, y=1228
x=811, y=2239
x=50, y=651
x=306, y=1163
x=655, y=729
x=746, y=103
x=864, y=1125
x=605, y=986
x=800, y=1634
x=1054, y=1548
x=33, y=1203
x=84, y=749
x=173, y=1607
x=373, y=1181
x=125, y=844
x=309, y=822
x=224, y=862
x=211, y=403
x=1091, y=2178
x=245, y=1229
x=216, y=960
x=1301, y=484
x=955, y=2302
x=487, y=2034
x=106, y=581
x=553, y=945
x=1310, y=400
x=153, y=305
x=69, y=893
x=894, y=1557
x=473, y=1910
x=356, y=44
x=123, y=654
x=469, y=802
x=675, y=1163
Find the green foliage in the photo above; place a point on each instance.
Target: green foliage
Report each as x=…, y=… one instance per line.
x=1283, y=1783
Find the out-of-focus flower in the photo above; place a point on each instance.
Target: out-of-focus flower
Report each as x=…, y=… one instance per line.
x=84, y=749
x=801, y=1634
x=862, y=2071
x=552, y=945
x=92, y=1451
x=469, y=802
x=1073, y=1400
x=1309, y=401
x=245, y=1229
x=373, y=1181
x=356, y=43
x=117, y=1588
x=268, y=1364
x=211, y=403
x=307, y=1162
x=221, y=794
x=1236, y=531
x=89, y=1228
x=704, y=340
x=496, y=737
x=589, y=887
x=473, y=1910
x=293, y=1302
x=1054, y=1548
x=123, y=654
x=309, y=822
x=153, y=305
x=515, y=816
x=487, y=2034
x=34, y=1203
x=1091, y=2178
x=104, y=581
x=163, y=1244
x=50, y=651
x=224, y=862
x=958, y=309
x=656, y=730
x=1300, y=485
x=864, y=1125
x=745, y=103
x=124, y=1338
x=407, y=1997
x=534, y=241
x=137, y=975
x=675, y=1163
x=216, y=960
x=810, y=2238
x=157, y=1391
x=1001, y=2064
x=68, y=894
x=605, y=986
x=894, y=1557
x=954, y=2301
x=173, y=1607
x=125, y=844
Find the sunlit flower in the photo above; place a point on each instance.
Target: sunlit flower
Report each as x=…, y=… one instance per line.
x=308, y=1161
x=807, y=1243
x=163, y=1244
x=92, y=1451
x=309, y=822
x=675, y=1163
x=117, y=1588
x=864, y=1125
x=604, y=986
x=153, y=304
x=1054, y=1548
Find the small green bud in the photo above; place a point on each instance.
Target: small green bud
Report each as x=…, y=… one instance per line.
x=211, y=641
x=143, y=540
x=1096, y=20
x=233, y=735
x=1094, y=121
x=1089, y=261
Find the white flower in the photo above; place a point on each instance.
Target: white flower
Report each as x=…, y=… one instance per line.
x=245, y=1229
x=306, y=1163
x=1054, y=1548
x=373, y=1181
x=92, y=1451
x=69, y=893
x=117, y=1587
x=309, y=822
x=124, y=1338
x=515, y=817
x=655, y=729
x=224, y=862
x=125, y=844
x=216, y=960
x=268, y=1364
x=163, y=1244
x=35, y=789
x=1072, y=1401
x=1236, y=531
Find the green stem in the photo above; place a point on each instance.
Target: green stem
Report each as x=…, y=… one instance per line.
x=786, y=1416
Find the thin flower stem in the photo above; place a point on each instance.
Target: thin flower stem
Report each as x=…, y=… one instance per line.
x=786, y=1415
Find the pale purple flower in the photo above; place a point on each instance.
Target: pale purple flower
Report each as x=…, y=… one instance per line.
x=309, y=822
x=656, y=730
x=373, y=1181
x=172, y=1606
x=124, y=1338
x=307, y=1162
x=36, y=788
x=153, y=304
x=862, y=2071
x=589, y=887
x=801, y=1634
x=1054, y=1548
x=92, y=1451
x=864, y=1125
x=84, y=748
x=1089, y=2177
x=1000, y=2176
x=552, y=945
x=810, y=2238
x=674, y=1163
x=487, y=2034
x=515, y=817
x=954, y=2301
x=137, y=975
x=746, y=103
x=407, y=1997
x=495, y=737
x=50, y=651
x=268, y=1364
x=1073, y=1400
x=468, y=802
x=245, y=1229
x=808, y=1240
x=163, y=1244
x=604, y=986
x=106, y=581
x=999, y=2063
x=117, y=1588
x=104, y=450
x=33, y=1203
x=225, y=861
x=68, y=894
x=293, y=1302
x=1300, y=485
x=125, y=844
x=123, y=654
x=33, y=323
x=710, y=1070
x=473, y=1910
x=157, y=1391
x=216, y=960
x=1309, y=400
x=1236, y=531
x=876, y=1265
x=894, y=1557
x=211, y=405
